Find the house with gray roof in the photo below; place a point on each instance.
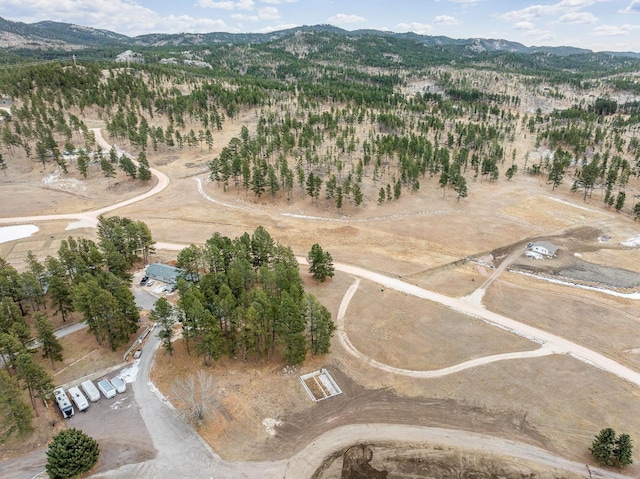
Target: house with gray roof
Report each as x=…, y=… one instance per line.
x=164, y=272
x=545, y=247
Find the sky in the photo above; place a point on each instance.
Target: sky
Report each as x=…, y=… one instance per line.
x=599, y=25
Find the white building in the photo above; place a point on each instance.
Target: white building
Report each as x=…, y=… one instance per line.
x=545, y=248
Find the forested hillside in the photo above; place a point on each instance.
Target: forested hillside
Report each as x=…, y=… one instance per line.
x=340, y=119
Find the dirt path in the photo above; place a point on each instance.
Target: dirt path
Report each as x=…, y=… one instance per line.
x=343, y=337
x=555, y=344
x=90, y=218
x=181, y=452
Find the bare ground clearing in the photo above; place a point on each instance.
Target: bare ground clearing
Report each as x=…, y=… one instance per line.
x=406, y=332
x=597, y=326
x=555, y=402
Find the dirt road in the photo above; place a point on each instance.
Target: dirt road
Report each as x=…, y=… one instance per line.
x=555, y=344
x=90, y=218
x=182, y=453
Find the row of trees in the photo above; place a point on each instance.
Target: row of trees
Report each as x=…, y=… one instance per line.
x=248, y=302
x=87, y=277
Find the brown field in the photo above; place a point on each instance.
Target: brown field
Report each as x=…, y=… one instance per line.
x=555, y=402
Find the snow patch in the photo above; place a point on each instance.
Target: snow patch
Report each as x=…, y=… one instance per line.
x=163, y=399
x=10, y=233
x=581, y=286
x=80, y=224
x=70, y=185
x=632, y=242
x=129, y=375
x=270, y=425
x=116, y=405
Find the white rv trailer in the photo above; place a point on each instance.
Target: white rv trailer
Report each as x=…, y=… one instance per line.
x=91, y=391
x=63, y=402
x=78, y=398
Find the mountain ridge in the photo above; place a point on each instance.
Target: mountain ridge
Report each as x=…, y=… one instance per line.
x=70, y=36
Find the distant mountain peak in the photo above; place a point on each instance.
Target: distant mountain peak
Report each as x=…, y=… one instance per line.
x=65, y=35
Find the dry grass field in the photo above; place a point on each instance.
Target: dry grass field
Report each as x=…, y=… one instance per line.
x=427, y=238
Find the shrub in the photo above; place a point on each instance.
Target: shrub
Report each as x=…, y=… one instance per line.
x=71, y=453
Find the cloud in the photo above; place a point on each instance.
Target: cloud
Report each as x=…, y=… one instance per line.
x=525, y=26
x=446, y=20
x=537, y=11
x=343, y=18
x=278, y=2
x=282, y=26
x=226, y=4
x=634, y=7
x=615, y=30
x=539, y=35
x=266, y=13
x=415, y=27
x=122, y=16
x=577, y=18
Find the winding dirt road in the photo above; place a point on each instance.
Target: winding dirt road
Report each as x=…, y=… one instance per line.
x=554, y=344
x=90, y=218
x=182, y=453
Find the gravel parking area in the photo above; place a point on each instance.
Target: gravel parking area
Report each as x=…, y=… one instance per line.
x=119, y=429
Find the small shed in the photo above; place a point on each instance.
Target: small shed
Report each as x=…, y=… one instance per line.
x=164, y=272
x=545, y=247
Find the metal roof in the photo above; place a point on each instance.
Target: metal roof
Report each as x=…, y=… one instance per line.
x=164, y=272
x=550, y=247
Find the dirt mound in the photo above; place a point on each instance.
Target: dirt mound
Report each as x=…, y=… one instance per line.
x=409, y=461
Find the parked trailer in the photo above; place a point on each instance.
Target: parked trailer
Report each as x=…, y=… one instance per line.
x=63, y=403
x=119, y=384
x=106, y=388
x=78, y=399
x=90, y=390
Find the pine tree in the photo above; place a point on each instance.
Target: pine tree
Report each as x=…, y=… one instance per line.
x=82, y=162
x=163, y=314
x=51, y=347
x=107, y=169
x=15, y=415
x=320, y=263
x=60, y=293
x=358, y=197
x=144, y=172
x=320, y=324
x=34, y=378
x=71, y=453
x=603, y=446
x=623, y=449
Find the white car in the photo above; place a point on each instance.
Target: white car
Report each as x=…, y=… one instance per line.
x=119, y=384
x=150, y=282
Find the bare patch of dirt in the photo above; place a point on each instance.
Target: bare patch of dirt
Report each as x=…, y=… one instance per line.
x=370, y=461
x=409, y=333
